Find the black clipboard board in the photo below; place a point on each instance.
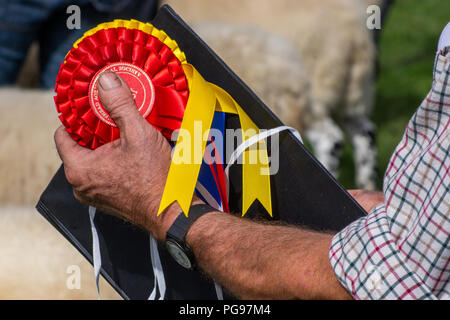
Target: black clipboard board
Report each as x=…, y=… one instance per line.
x=303, y=192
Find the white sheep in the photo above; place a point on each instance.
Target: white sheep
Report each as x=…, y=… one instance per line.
x=39, y=263
x=262, y=59
x=331, y=39
x=28, y=157
x=34, y=257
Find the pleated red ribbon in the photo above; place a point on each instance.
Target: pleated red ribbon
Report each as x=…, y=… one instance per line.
x=161, y=93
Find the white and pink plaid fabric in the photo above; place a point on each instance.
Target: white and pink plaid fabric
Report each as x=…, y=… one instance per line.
x=401, y=250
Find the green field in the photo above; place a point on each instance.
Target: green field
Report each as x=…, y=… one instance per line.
x=408, y=44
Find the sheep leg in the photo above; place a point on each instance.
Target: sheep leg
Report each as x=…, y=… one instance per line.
x=326, y=139
x=361, y=132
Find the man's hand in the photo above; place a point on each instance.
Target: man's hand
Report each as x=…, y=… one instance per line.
x=367, y=199
x=127, y=176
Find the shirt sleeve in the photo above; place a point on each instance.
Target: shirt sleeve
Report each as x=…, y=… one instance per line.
x=369, y=265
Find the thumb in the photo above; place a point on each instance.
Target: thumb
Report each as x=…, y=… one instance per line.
x=116, y=98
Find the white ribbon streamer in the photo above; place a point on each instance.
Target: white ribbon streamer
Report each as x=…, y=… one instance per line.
x=208, y=197
x=158, y=271
x=253, y=140
x=154, y=254
x=96, y=255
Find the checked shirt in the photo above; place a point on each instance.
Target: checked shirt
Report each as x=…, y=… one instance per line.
x=401, y=249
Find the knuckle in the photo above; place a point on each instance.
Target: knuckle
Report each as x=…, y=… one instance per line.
x=120, y=100
x=73, y=177
x=76, y=195
x=143, y=132
x=58, y=135
x=80, y=197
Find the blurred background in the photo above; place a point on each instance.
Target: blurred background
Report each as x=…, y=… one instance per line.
x=407, y=47
x=349, y=90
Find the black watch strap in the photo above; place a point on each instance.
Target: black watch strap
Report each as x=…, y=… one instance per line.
x=182, y=224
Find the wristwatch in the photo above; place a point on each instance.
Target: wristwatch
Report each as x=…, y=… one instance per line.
x=176, y=235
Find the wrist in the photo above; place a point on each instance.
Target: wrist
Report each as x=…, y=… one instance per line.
x=176, y=235
x=201, y=229
x=165, y=220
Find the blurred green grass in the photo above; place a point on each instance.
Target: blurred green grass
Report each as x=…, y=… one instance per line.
x=407, y=49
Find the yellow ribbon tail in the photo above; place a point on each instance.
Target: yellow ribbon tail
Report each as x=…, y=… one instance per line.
x=257, y=188
x=204, y=99
x=255, y=170
x=184, y=168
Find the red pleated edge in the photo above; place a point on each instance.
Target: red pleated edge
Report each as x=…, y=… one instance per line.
x=109, y=46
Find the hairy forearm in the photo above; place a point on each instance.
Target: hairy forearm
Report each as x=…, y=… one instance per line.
x=260, y=261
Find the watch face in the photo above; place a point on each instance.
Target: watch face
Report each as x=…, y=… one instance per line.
x=178, y=254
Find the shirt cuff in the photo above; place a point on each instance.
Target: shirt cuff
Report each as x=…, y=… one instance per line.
x=367, y=262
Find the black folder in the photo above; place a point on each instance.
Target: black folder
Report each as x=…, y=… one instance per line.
x=303, y=192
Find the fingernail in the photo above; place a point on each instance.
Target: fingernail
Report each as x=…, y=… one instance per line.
x=109, y=80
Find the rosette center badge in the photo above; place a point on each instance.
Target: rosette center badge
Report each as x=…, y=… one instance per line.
x=140, y=84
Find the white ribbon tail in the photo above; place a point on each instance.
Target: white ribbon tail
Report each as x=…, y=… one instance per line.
x=219, y=291
x=253, y=140
x=208, y=197
x=96, y=255
x=158, y=271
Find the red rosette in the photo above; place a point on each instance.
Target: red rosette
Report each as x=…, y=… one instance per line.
x=150, y=68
